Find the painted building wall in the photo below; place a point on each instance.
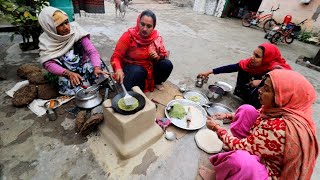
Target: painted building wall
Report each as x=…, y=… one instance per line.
x=209, y=7
x=296, y=9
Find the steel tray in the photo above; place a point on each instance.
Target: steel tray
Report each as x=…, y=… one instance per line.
x=198, y=115
x=218, y=107
x=190, y=93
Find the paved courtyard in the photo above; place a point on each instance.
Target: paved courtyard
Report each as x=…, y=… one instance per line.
x=35, y=148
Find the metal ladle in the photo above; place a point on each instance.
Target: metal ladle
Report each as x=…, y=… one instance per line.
x=168, y=108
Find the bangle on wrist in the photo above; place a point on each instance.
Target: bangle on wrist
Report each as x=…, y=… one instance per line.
x=214, y=127
x=66, y=73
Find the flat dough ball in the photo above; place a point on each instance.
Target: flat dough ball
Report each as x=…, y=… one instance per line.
x=208, y=141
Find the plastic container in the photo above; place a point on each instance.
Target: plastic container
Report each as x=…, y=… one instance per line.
x=64, y=5
x=287, y=19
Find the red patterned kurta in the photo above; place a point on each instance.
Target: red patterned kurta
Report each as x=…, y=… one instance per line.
x=266, y=140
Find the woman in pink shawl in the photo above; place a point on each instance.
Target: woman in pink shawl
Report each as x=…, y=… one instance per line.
x=282, y=142
x=241, y=121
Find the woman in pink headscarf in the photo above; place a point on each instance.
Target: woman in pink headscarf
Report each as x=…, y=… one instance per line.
x=282, y=143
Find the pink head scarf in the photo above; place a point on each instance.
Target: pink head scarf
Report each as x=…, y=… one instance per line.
x=244, y=119
x=294, y=96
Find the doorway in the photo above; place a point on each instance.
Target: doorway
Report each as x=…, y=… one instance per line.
x=237, y=8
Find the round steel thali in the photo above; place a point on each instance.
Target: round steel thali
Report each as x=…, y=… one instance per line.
x=198, y=115
x=225, y=86
x=217, y=107
x=192, y=93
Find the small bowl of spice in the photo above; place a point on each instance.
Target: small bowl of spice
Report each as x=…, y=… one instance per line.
x=51, y=104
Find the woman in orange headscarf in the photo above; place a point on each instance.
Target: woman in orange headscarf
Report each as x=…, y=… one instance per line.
x=140, y=57
x=251, y=70
x=283, y=139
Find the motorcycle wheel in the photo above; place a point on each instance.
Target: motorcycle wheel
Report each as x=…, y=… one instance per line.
x=289, y=39
x=275, y=38
x=269, y=24
x=246, y=20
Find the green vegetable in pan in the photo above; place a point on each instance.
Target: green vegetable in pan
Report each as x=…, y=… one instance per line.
x=122, y=105
x=177, y=111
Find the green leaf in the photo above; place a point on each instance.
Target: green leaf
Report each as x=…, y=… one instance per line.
x=8, y=4
x=21, y=9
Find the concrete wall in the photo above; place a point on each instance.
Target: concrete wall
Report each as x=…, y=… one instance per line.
x=296, y=9
x=209, y=7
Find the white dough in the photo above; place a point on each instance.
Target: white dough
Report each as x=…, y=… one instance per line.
x=208, y=141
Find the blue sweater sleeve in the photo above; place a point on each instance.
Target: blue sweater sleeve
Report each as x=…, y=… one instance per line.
x=226, y=69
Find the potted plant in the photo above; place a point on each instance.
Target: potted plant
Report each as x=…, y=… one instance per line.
x=23, y=15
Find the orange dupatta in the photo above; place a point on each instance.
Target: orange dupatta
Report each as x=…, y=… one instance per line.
x=294, y=96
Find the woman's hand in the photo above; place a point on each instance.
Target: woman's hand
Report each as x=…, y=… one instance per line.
x=219, y=116
x=211, y=124
x=153, y=55
x=75, y=79
x=97, y=71
x=119, y=76
x=255, y=83
x=205, y=74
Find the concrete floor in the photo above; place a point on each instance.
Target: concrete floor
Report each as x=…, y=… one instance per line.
x=35, y=148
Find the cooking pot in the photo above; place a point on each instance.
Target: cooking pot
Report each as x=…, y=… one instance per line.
x=88, y=98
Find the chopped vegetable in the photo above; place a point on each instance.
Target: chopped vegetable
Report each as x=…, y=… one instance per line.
x=177, y=111
x=194, y=98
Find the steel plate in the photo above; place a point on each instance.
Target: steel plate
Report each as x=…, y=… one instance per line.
x=225, y=86
x=198, y=115
x=217, y=107
x=191, y=93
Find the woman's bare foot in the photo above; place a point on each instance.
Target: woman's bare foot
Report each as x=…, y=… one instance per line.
x=160, y=87
x=206, y=173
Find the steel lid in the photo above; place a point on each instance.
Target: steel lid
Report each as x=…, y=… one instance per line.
x=86, y=94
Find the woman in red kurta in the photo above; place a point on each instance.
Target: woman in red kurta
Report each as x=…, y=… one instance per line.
x=140, y=58
x=282, y=143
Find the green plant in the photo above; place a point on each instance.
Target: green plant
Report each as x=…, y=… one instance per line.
x=23, y=14
x=304, y=36
x=53, y=79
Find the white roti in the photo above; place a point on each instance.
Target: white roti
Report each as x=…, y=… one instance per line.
x=208, y=141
